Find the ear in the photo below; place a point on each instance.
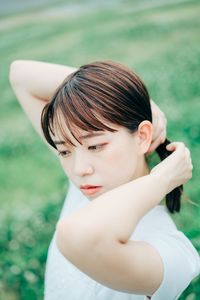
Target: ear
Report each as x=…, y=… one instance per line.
x=144, y=134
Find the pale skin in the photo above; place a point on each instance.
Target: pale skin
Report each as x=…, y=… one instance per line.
x=100, y=245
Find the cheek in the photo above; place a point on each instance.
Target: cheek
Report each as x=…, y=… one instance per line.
x=120, y=161
x=66, y=167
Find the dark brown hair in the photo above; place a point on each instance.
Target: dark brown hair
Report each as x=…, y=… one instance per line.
x=100, y=91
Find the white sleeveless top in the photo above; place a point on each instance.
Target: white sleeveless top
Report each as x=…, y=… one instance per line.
x=63, y=281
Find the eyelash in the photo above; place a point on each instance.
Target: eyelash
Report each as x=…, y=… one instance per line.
x=98, y=147
x=63, y=153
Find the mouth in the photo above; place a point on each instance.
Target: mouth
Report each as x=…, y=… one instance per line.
x=90, y=189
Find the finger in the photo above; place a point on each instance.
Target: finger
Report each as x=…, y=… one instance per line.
x=157, y=121
x=173, y=145
x=163, y=136
x=154, y=145
x=179, y=146
x=155, y=128
x=160, y=130
x=188, y=155
x=187, y=151
x=157, y=113
x=154, y=106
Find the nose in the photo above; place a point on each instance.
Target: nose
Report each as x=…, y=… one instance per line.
x=82, y=165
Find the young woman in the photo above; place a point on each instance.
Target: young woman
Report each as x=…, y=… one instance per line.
x=113, y=240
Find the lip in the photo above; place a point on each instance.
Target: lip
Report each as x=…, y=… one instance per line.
x=90, y=189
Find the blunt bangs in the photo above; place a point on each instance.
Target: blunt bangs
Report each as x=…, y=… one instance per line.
x=69, y=111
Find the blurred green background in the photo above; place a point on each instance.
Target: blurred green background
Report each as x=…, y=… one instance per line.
x=160, y=40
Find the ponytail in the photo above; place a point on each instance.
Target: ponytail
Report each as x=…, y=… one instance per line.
x=173, y=199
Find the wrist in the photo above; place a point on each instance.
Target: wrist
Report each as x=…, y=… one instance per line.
x=163, y=179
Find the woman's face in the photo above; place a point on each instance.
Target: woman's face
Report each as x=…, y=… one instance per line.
x=104, y=161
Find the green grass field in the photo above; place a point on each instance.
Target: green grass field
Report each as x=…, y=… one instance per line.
x=160, y=41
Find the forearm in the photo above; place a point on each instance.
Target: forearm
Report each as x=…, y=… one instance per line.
x=34, y=84
x=40, y=79
x=127, y=204
x=115, y=214
x=96, y=239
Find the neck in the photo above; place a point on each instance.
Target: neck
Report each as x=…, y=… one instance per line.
x=143, y=169
x=146, y=170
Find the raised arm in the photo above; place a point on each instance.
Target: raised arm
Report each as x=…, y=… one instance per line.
x=34, y=83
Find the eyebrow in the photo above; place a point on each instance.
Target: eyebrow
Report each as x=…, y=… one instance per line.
x=83, y=137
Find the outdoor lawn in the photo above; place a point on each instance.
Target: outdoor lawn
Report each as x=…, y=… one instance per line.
x=160, y=40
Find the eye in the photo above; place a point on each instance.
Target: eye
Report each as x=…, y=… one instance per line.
x=97, y=147
x=64, y=153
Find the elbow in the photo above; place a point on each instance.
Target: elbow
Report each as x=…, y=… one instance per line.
x=64, y=236
x=15, y=72
x=73, y=238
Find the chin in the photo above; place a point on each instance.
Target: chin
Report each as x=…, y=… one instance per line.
x=92, y=197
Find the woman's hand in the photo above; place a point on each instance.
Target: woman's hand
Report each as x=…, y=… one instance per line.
x=177, y=167
x=159, y=126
